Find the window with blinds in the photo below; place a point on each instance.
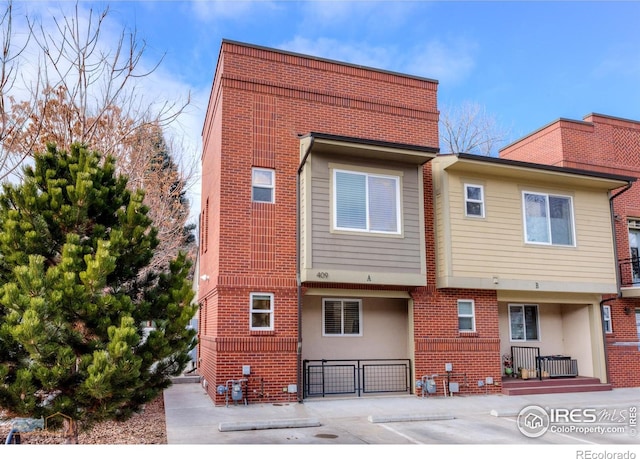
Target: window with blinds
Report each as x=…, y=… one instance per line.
x=341, y=317
x=366, y=202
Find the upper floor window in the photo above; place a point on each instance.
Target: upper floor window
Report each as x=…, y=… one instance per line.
x=366, y=202
x=341, y=317
x=466, y=316
x=261, y=311
x=634, y=248
x=606, y=318
x=263, y=184
x=523, y=322
x=473, y=200
x=548, y=219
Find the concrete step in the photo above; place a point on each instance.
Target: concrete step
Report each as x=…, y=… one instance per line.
x=186, y=379
x=512, y=386
x=556, y=389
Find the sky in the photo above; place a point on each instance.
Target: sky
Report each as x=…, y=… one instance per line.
x=527, y=63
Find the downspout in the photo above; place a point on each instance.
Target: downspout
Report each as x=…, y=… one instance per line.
x=618, y=280
x=300, y=391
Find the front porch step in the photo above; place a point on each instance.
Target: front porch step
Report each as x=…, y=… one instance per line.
x=553, y=386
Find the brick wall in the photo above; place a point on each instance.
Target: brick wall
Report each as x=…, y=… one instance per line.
x=261, y=101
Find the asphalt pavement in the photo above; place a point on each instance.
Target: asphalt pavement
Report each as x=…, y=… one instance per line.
x=584, y=419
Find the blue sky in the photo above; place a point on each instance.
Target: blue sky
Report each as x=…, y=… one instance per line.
x=526, y=63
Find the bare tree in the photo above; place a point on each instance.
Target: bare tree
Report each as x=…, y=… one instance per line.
x=90, y=93
x=14, y=117
x=94, y=82
x=468, y=128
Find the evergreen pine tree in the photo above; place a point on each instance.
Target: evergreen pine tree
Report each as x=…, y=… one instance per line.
x=74, y=306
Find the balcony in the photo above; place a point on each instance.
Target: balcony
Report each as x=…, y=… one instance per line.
x=629, y=270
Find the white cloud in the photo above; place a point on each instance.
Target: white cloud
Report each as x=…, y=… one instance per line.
x=435, y=59
x=450, y=62
x=338, y=50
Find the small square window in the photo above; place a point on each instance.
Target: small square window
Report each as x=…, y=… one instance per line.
x=466, y=316
x=474, y=200
x=261, y=311
x=263, y=185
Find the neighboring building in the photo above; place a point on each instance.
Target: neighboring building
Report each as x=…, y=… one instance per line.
x=340, y=254
x=611, y=145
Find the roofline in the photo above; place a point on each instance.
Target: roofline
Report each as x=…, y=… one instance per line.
x=548, y=125
x=330, y=61
x=573, y=121
x=371, y=142
x=546, y=167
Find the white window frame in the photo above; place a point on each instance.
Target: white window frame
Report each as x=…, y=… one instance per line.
x=367, y=229
x=255, y=185
x=548, y=218
x=606, y=319
x=524, y=322
x=472, y=316
x=342, y=324
x=252, y=311
x=468, y=200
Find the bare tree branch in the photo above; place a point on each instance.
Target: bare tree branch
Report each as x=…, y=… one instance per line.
x=468, y=128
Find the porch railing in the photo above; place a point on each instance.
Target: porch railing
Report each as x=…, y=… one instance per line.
x=356, y=377
x=525, y=357
x=629, y=269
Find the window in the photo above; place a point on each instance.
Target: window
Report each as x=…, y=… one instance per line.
x=523, y=322
x=466, y=316
x=263, y=185
x=548, y=219
x=366, y=202
x=261, y=311
x=474, y=200
x=606, y=318
x=634, y=248
x=341, y=317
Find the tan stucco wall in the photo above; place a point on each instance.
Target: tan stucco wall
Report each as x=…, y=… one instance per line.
x=385, y=332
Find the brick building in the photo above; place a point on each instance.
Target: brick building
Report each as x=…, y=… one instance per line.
x=341, y=254
x=611, y=145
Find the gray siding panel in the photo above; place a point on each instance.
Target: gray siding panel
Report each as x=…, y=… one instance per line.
x=359, y=252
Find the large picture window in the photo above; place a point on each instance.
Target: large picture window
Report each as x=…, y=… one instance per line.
x=548, y=219
x=341, y=317
x=366, y=202
x=523, y=322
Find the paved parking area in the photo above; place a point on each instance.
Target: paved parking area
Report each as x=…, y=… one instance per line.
x=596, y=418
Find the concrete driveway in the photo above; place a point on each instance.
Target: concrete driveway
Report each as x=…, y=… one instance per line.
x=589, y=418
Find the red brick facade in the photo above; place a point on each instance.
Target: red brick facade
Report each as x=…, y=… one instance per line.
x=611, y=145
x=262, y=101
